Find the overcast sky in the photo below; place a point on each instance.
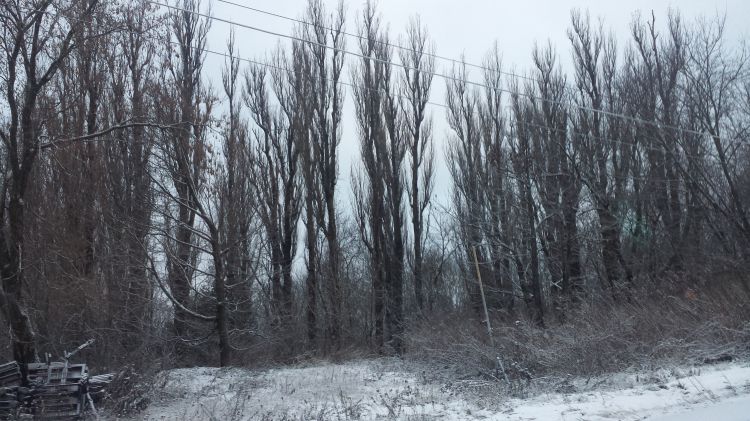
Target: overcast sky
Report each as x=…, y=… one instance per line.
x=460, y=27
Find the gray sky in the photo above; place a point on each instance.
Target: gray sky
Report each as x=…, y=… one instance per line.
x=463, y=27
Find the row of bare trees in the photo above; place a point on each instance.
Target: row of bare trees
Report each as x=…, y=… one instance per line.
x=609, y=181
x=146, y=208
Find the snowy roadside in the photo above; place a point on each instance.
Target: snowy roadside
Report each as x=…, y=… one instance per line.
x=386, y=389
x=665, y=396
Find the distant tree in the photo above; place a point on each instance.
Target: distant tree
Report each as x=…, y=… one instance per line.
x=655, y=69
x=717, y=99
x=183, y=161
x=325, y=43
x=555, y=176
x=237, y=201
x=416, y=81
x=128, y=187
x=521, y=146
x=603, y=142
x=276, y=178
x=380, y=193
x=466, y=161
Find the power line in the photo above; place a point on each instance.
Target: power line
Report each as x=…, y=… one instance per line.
x=444, y=76
x=393, y=45
x=290, y=71
x=435, y=104
x=566, y=130
x=398, y=46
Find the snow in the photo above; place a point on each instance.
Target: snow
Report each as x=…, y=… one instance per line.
x=390, y=389
x=668, y=394
x=733, y=409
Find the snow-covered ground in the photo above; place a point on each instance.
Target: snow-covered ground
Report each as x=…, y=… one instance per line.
x=389, y=389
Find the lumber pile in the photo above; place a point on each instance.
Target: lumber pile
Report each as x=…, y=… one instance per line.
x=51, y=390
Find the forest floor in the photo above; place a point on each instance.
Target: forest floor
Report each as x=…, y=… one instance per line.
x=387, y=388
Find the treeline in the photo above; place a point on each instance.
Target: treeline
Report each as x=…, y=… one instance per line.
x=157, y=212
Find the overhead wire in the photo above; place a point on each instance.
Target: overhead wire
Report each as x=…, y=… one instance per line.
x=386, y=43
x=441, y=75
x=389, y=44
x=432, y=103
x=567, y=130
x=274, y=66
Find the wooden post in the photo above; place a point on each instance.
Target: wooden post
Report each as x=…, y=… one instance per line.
x=481, y=292
x=500, y=367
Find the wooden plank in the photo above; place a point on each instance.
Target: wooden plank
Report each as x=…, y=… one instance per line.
x=52, y=405
x=57, y=373
x=10, y=374
x=64, y=374
x=8, y=365
x=49, y=374
x=97, y=384
x=58, y=393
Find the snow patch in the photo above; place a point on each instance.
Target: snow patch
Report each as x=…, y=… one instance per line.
x=388, y=389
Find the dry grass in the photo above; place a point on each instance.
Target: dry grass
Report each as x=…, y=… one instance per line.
x=655, y=329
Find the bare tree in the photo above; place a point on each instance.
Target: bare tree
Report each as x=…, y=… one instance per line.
x=522, y=159
x=603, y=141
x=716, y=79
x=326, y=49
x=499, y=200
x=466, y=162
x=484, y=201
x=237, y=201
x=38, y=37
x=126, y=179
x=184, y=152
x=657, y=74
x=419, y=68
x=383, y=147
x=555, y=176
x=276, y=180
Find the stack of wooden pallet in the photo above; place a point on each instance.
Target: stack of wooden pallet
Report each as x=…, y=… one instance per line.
x=10, y=374
x=97, y=385
x=51, y=391
x=10, y=381
x=58, y=389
